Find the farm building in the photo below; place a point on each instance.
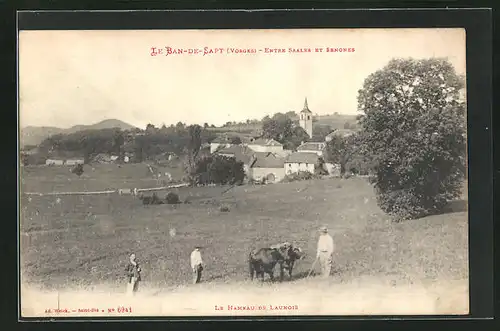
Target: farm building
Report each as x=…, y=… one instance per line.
x=266, y=166
x=265, y=145
x=240, y=153
x=218, y=143
x=72, y=162
x=301, y=162
x=54, y=162
x=312, y=147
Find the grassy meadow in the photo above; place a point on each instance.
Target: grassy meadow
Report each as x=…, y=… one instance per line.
x=84, y=241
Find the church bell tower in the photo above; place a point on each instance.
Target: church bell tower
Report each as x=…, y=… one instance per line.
x=306, y=120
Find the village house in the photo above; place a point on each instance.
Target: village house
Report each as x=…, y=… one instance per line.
x=266, y=166
x=312, y=147
x=305, y=161
x=265, y=145
x=218, y=143
x=53, y=161
x=74, y=161
x=60, y=161
x=240, y=153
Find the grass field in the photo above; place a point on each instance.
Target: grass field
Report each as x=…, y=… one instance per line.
x=84, y=242
x=98, y=177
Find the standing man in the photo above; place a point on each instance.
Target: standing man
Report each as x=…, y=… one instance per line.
x=325, y=252
x=196, y=264
x=133, y=275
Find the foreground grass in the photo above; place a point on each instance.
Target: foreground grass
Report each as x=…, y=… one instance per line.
x=83, y=242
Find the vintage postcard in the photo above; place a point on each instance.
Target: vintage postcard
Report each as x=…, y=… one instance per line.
x=243, y=172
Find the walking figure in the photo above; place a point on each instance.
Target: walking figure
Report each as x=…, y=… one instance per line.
x=133, y=271
x=325, y=252
x=196, y=264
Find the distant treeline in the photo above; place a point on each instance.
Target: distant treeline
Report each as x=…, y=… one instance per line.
x=142, y=144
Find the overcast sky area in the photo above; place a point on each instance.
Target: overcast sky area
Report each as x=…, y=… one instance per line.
x=68, y=78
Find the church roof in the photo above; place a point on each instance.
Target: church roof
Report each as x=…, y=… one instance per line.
x=306, y=108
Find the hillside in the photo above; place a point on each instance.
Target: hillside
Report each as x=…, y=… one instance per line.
x=335, y=121
x=34, y=135
x=81, y=243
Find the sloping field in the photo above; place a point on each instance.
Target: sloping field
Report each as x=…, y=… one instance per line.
x=98, y=177
x=82, y=243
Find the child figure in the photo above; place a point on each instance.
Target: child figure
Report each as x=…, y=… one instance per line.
x=196, y=264
x=133, y=275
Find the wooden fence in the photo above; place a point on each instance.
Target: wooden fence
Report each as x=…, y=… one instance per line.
x=118, y=191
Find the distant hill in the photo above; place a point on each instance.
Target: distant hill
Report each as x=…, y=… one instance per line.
x=336, y=121
x=34, y=135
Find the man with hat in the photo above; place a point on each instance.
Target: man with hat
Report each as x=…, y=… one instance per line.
x=325, y=252
x=196, y=264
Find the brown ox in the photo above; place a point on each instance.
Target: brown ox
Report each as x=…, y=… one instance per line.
x=264, y=260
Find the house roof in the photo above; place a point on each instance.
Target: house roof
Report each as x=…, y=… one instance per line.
x=240, y=153
x=220, y=140
x=267, y=160
x=265, y=142
x=341, y=132
x=311, y=146
x=302, y=158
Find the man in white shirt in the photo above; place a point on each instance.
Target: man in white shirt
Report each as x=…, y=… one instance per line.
x=196, y=264
x=325, y=252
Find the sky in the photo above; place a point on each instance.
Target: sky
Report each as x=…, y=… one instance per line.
x=71, y=78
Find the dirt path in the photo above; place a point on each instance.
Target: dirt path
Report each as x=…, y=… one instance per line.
x=367, y=296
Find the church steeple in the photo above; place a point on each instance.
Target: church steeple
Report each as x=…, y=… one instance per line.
x=306, y=107
x=305, y=119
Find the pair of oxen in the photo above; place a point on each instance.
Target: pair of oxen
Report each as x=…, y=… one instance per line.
x=264, y=260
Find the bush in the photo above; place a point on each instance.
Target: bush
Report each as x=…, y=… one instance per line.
x=224, y=209
x=298, y=176
x=78, y=170
x=172, y=198
x=413, y=129
x=217, y=170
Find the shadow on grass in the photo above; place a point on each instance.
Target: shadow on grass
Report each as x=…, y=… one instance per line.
x=456, y=206
x=301, y=275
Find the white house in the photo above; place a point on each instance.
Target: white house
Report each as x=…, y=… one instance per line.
x=54, y=162
x=266, y=166
x=266, y=146
x=301, y=162
x=312, y=147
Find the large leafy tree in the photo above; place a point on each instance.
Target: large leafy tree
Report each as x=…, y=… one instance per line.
x=217, y=170
x=193, y=146
x=413, y=129
x=281, y=128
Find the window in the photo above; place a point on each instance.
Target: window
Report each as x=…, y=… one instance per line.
x=308, y=117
